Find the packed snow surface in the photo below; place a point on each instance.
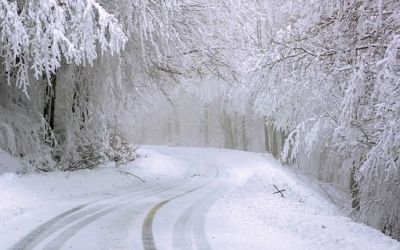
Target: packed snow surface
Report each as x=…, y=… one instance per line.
x=176, y=198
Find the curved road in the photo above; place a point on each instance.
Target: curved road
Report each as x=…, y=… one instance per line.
x=187, y=202
x=167, y=215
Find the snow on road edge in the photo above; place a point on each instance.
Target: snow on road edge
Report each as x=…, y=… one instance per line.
x=252, y=217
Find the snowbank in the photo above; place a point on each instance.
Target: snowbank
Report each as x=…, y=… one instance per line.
x=304, y=219
x=8, y=164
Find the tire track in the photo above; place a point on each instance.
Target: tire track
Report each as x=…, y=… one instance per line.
x=147, y=228
x=70, y=231
x=69, y=217
x=189, y=230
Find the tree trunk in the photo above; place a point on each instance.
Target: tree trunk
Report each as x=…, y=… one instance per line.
x=227, y=129
x=206, y=129
x=266, y=136
x=354, y=189
x=244, y=136
x=49, y=107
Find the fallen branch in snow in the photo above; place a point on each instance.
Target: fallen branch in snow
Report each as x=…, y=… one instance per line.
x=128, y=173
x=42, y=169
x=280, y=191
x=198, y=175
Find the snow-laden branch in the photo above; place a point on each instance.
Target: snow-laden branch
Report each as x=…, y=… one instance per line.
x=39, y=35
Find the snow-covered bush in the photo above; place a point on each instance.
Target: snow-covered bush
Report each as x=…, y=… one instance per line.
x=23, y=134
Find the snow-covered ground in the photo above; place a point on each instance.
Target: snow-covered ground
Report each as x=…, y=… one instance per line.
x=192, y=198
x=253, y=217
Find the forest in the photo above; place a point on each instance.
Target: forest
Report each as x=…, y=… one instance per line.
x=314, y=83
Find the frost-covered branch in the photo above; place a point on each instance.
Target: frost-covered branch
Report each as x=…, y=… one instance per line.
x=39, y=35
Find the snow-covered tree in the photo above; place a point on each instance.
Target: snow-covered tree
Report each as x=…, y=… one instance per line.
x=40, y=35
x=328, y=74
x=37, y=39
x=63, y=56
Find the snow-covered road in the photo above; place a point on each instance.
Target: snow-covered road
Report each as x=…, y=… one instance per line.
x=191, y=199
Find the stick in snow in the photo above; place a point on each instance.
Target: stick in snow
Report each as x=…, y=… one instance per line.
x=128, y=173
x=279, y=191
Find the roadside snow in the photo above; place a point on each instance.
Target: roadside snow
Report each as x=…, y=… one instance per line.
x=252, y=217
x=20, y=194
